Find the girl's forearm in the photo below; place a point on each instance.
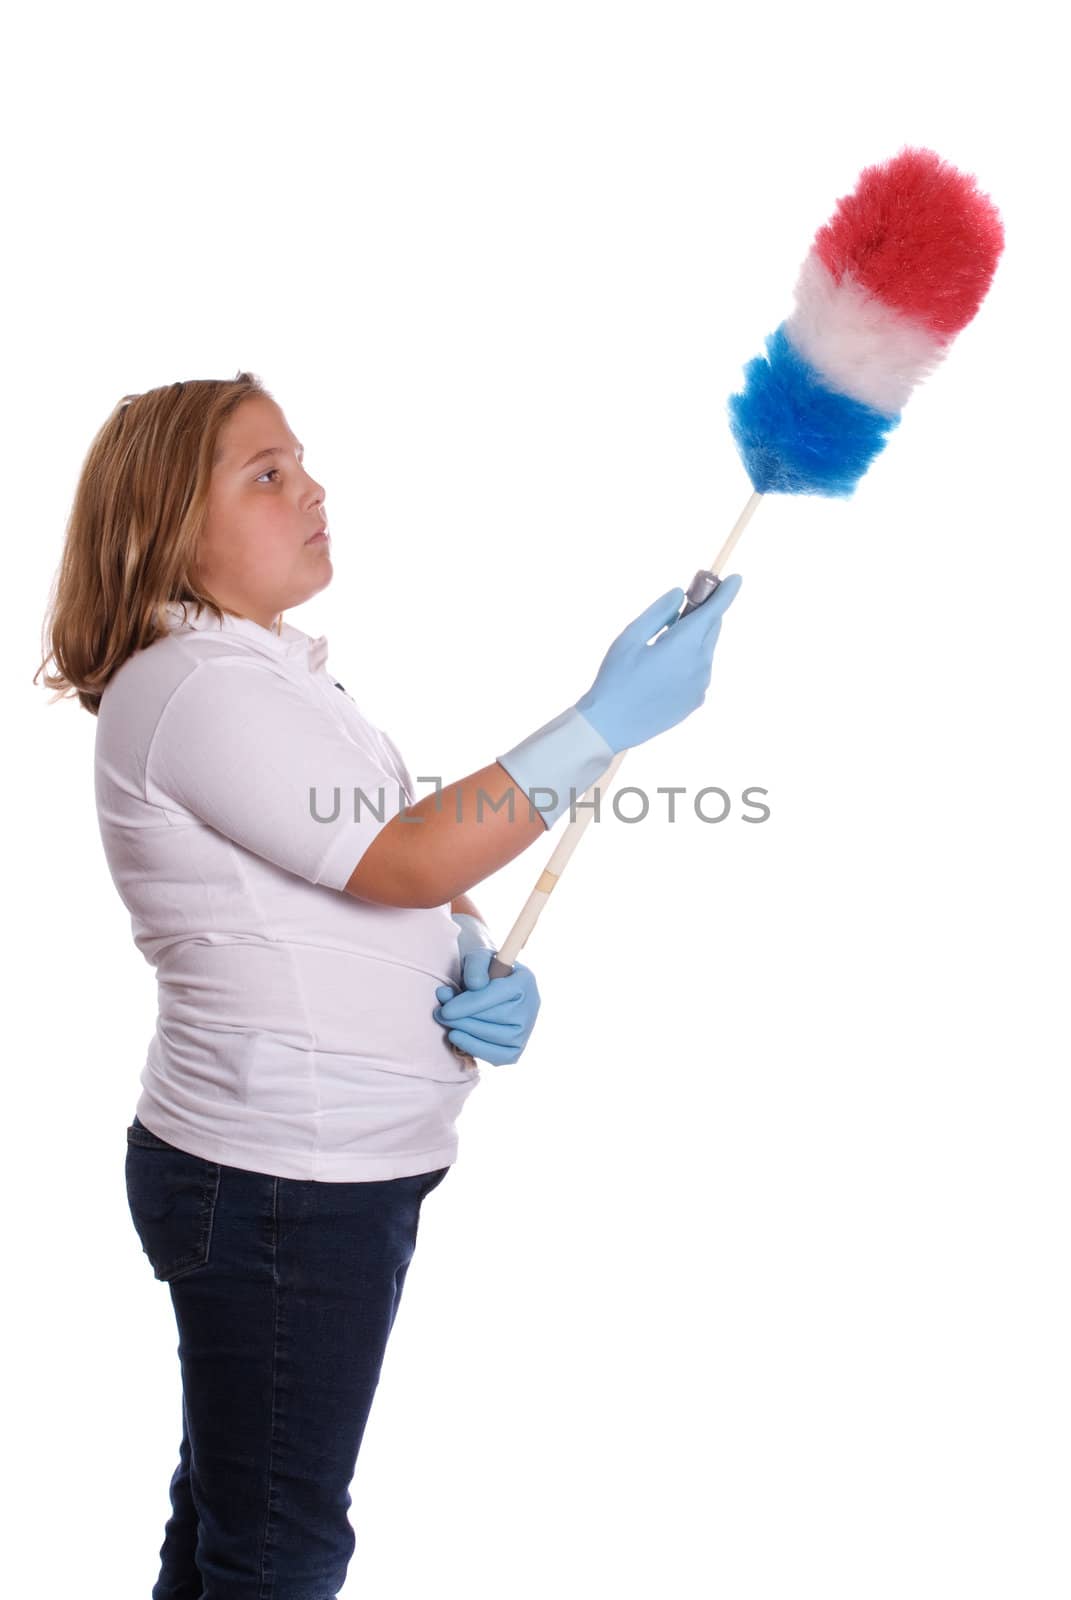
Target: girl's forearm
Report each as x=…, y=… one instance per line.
x=462, y=903
x=432, y=852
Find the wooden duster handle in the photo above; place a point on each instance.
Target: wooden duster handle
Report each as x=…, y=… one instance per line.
x=502, y=964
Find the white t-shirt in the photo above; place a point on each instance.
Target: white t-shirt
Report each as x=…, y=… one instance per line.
x=295, y=1033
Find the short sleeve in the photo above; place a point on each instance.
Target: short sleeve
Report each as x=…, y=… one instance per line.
x=404, y=775
x=242, y=748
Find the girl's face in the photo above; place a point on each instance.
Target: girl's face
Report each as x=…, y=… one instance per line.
x=255, y=555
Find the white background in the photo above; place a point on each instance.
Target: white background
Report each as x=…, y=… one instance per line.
x=751, y=1278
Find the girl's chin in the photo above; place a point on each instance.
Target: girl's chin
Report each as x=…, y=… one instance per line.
x=314, y=582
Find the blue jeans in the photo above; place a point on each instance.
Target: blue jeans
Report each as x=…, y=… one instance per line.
x=285, y=1292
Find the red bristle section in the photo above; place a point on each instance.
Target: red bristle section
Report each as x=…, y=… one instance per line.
x=920, y=235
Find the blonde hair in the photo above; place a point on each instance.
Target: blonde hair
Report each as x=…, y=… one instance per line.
x=139, y=508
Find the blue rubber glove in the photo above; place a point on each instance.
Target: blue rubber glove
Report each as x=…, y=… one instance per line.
x=491, y=1018
x=639, y=691
x=473, y=934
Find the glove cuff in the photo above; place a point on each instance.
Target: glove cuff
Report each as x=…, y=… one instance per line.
x=567, y=753
x=474, y=935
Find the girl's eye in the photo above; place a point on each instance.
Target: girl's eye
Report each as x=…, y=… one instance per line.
x=268, y=473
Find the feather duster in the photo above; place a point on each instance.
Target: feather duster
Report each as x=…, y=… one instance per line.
x=901, y=266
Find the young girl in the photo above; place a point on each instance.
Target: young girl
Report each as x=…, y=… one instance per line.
x=304, y=916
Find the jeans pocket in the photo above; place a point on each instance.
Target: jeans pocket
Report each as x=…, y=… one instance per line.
x=172, y=1199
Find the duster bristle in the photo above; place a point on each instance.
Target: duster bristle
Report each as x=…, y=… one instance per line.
x=899, y=269
x=796, y=435
x=918, y=234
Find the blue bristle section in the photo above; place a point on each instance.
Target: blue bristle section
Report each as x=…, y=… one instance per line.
x=796, y=435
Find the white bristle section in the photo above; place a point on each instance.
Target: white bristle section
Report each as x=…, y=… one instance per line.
x=862, y=347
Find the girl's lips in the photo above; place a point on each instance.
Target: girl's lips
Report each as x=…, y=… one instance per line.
x=317, y=538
